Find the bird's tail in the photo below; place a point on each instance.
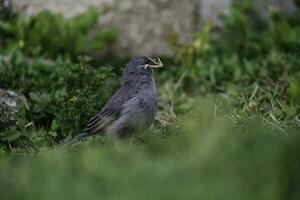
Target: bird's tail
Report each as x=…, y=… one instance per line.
x=75, y=139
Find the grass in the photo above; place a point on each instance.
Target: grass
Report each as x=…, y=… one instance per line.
x=207, y=160
x=227, y=127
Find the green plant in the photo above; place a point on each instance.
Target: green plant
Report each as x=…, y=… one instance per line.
x=76, y=91
x=52, y=35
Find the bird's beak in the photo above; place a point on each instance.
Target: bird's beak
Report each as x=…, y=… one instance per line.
x=157, y=63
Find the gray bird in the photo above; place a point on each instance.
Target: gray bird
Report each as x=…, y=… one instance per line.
x=132, y=108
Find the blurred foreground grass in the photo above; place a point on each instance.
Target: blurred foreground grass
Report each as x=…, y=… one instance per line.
x=208, y=160
x=227, y=128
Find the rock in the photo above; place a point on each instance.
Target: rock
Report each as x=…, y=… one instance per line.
x=286, y=7
x=68, y=8
x=143, y=25
x=210, y=10
x=10, y=105
x=5, y=8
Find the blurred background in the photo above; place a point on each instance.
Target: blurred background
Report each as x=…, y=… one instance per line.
x=145, y=25
x=228, y=122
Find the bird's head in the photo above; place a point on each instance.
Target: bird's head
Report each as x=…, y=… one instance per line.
x=140, y=66
x=144, y=62
x=148, y=62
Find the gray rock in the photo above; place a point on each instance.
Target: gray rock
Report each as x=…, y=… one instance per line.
x=143, y=25
x=5, y=8
x=68, y=8
x=10, y=105
x=210, y=10
x=286, y=7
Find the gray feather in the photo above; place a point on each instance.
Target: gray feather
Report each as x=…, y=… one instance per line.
x=131, y=109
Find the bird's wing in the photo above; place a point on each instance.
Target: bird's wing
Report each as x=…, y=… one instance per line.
x=101, y=120
x=108, y=114
x=98, y=123
x=124, y=124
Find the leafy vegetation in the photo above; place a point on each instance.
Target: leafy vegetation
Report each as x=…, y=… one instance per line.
x=227, y=128
x=53, y=36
